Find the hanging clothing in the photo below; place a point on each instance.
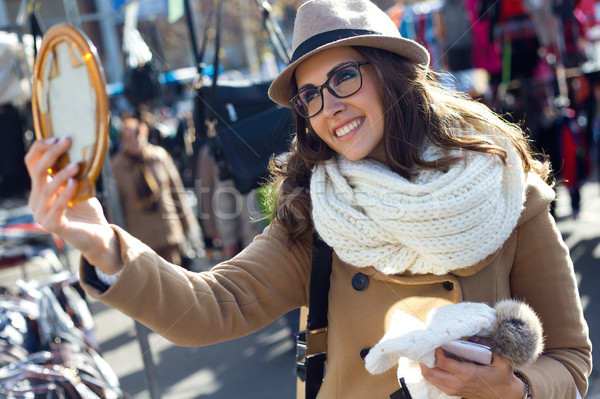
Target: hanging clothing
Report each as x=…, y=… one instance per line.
x=458, y=42
x=575, y=155
x=587, y=13
x=485, y=54
x=544, y=21
x=418, y=22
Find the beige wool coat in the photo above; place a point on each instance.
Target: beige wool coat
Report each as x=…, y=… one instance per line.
x=271, y=277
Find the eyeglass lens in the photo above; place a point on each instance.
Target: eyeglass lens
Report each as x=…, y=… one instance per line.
x=343, y=83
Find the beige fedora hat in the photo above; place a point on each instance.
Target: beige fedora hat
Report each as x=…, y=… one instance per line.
x=323, y=24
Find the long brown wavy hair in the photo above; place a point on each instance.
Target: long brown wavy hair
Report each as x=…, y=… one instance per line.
x=418, y=108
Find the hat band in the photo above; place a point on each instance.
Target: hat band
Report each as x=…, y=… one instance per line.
x=328, y=37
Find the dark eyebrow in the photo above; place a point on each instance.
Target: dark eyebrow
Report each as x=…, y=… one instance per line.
x=329, y=74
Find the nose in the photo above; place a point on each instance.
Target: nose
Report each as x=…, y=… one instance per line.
x=331, y=104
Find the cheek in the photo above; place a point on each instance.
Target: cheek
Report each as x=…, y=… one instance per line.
x=320, y=129
x=369, y=102
x=379, y=116
x=372, y=100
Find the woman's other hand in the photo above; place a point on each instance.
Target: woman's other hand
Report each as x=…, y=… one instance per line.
x=83, y=224
x=472, y=381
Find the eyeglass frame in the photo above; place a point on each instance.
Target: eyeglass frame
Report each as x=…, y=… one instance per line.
x=356, y=65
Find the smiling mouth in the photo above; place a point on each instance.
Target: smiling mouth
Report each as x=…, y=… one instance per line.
x=344, y=130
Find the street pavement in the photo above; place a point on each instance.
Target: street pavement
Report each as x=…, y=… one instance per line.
x=261, y=365
x=582, y=236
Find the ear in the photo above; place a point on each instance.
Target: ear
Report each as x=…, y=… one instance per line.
x=517, y=335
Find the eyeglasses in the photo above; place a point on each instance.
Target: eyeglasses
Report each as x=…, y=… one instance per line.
x=342, y=83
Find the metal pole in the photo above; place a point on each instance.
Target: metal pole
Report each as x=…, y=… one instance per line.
x=149, y=370
x=72, y=11
x=248, y=39
x=189, y=17
x=113, y=58
x=115, y=215
x=3, y=14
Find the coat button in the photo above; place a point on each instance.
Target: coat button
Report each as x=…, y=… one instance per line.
x=448, y=285
x=364, y=352
x=360, y=282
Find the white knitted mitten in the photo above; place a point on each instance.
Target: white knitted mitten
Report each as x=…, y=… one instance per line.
x=409, y=342
x=513, y=328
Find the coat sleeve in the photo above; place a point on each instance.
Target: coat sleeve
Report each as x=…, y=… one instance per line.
x=543, y=276
x=235, y=298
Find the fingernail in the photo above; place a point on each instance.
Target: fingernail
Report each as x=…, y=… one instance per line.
x=63, y=139
x=73, y=167
x=52, y=140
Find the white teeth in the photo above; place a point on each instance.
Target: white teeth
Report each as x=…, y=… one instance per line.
x=344, y=130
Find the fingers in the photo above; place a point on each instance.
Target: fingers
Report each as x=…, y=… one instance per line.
x=43, y=156
x=465, y=379
x=60, y=179
x=44, y=153
x=54, y=187
x=53, y=216
x=441, y=379
x=480, y=340
x=37, y=149
x=49, y=195
x=448, y=364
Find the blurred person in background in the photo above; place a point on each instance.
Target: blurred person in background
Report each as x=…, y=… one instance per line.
x=152, y=195
x=205, y=185
x=230, y=220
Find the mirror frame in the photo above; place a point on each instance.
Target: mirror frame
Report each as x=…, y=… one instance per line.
x=89, y=171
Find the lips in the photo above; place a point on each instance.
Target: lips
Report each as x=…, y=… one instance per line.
x=347, y=128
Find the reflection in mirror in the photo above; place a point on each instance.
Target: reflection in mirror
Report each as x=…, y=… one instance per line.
x=67, y=86
x=69, y=99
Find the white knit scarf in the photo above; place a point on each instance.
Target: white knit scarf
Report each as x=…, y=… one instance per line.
x=435, y=223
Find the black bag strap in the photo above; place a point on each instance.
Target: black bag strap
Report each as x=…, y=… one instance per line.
x=315, y=344
x=319, y=284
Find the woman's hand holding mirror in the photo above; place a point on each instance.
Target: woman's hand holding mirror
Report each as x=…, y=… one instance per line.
x=71, y=120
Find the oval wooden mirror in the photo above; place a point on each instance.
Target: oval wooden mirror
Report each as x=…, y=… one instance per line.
x=69, y=99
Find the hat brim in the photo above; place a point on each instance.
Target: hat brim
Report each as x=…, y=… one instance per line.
x=282, y=90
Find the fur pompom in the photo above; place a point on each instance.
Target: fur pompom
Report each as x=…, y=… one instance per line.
x=517, y=335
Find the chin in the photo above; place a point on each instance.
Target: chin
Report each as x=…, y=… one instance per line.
x=355, y=155
x=353, y=158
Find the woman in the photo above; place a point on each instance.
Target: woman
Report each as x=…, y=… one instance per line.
x=427, y=199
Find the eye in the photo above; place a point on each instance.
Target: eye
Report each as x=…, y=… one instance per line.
x=309, y=95
x=344, y=75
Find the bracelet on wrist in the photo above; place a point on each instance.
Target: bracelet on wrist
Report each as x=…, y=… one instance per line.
x=527, y=387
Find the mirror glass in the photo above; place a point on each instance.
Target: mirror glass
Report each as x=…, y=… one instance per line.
x=69, y=99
